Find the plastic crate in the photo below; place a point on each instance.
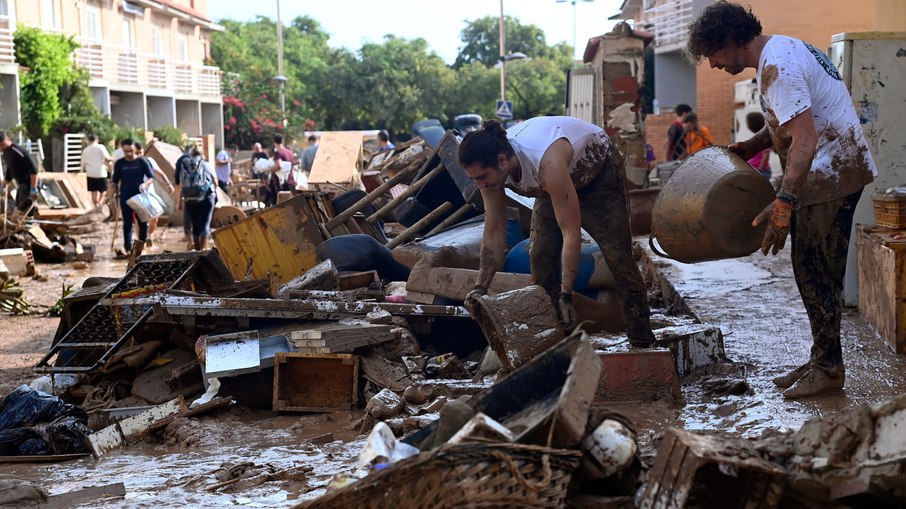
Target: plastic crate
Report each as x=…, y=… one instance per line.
x=890, y=209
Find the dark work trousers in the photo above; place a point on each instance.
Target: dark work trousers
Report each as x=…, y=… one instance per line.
x=127, y=226
x=604, y=205
x=820, y=239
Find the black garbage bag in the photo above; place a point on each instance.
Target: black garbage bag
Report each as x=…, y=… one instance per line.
x=67, y=435
x=22, y=442
x=26, y=407
x=34, y=423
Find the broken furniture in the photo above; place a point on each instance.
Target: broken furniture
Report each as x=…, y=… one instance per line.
x=882, y=274
x=693, y=470
x=315, y=382
x=108, y=325
x=545, y=401
x=62, y=195
x=338, y=163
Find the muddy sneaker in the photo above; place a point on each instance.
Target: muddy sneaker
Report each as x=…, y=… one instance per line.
x=816, y=381
x=786, y=381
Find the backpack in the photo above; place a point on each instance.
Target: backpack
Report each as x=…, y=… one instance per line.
x=197, y=182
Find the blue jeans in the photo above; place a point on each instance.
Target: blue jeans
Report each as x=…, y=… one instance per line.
x=127, y=226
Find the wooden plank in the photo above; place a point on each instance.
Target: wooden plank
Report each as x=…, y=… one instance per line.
x=135, y=428
x=78, y=497
x=338, y=338
x=457, y=283
x=338, y=161
x=276, y=308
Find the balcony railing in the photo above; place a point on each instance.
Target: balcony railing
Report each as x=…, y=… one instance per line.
x=671, y=19
x=131, y=66
x=7, y=50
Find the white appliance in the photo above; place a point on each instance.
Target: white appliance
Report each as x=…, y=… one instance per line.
x=873, y=66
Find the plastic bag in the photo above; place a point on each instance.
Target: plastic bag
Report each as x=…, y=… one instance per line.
x=382, y=448
x=146, y=205
x=26, y=407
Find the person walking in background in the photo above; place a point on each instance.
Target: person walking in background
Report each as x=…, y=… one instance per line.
x=676, y=145
x=383, y=140
x=186, y=220
x=196, y=191
x=131, y=175
x=223, y=166
x=308, y=155
x=762, y=160
x=95, y=161
x=161, y=177
x=18, y=166
x=578, y=179
x=695, y=137
x=281, y=155
x=813, y=125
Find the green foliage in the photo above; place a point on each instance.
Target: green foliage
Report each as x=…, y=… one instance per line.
x=49, y=69
x=57, y=308
x=169, y=134
x=481, y=42
x=101, y=125
x=388, y=84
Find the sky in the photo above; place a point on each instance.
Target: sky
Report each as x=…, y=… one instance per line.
x=351, y=23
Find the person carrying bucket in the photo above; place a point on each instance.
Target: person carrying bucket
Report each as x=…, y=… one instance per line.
x=813, y=126
x=578, y=180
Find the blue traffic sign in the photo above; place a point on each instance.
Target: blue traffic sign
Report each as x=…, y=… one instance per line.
x=504, y=110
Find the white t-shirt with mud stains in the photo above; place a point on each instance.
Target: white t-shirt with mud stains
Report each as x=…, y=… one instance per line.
x=794, y=76
x=532, y=138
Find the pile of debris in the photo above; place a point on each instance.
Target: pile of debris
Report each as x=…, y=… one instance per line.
x=308, y=306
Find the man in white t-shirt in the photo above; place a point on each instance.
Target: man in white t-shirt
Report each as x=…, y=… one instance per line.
x=95, y=160
x=578, y=180
x=812, y=124
x=224, y=166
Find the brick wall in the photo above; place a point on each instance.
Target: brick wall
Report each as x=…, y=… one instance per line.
x=813, y=21
x=656, y=132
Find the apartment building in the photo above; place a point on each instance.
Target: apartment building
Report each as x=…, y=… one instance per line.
x=146, y=59
x=716, y=95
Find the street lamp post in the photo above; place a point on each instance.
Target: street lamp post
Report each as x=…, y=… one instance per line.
x=280, y=78
x=502, y=54
x=504, y=58
x=575, y=42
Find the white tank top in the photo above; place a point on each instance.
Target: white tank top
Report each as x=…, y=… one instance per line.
x=532, y=138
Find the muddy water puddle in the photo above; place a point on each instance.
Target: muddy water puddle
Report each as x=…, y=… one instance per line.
x=159, y=473
x=755, y=302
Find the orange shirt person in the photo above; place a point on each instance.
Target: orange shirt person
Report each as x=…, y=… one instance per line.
x=697, y=136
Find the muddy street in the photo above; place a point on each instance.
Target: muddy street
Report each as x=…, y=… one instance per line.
x=752, y=300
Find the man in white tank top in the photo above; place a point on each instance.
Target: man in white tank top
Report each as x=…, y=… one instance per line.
x=578, y=181
x=812, y=124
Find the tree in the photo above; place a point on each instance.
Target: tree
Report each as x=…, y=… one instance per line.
x=481, y=41
x=50, y=80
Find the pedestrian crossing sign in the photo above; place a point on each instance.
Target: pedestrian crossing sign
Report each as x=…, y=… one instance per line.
x=504, y=110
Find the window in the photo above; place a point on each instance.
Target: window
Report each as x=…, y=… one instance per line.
x=183, y=48
x=157, y=43
x=50, y=16
x=204, y=49
x=4, y=8
x=93, y=18
x=128, y=33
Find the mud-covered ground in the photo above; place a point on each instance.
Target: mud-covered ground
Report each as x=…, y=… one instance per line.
x=753, y=300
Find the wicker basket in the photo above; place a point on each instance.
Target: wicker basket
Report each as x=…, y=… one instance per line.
x=890, y=209
x=459, y=476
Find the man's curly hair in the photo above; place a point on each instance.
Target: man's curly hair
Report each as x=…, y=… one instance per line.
x=717, y=24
